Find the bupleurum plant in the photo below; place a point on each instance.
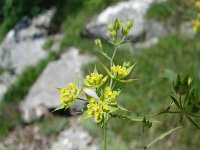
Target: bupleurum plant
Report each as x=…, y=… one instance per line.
x=104, y=106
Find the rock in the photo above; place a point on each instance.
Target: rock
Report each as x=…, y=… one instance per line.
x=21, y=48
x=74, y=139
x=155, y=29
x=186, y=30
x=132, y=9
x=56, y=74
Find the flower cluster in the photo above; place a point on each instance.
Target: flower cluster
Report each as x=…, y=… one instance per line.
x=96, y=108
x=196, y=21
x=110, y=95
x=119, y=71
x=68, y=93
x=94, y=78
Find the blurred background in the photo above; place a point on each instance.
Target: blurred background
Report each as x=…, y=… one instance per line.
x=45, y=43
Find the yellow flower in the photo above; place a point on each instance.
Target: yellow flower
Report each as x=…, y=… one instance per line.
x=197, y=4
x=96, y=108
x=94, y=79
x=195, y=24
x=108, y=94
x=105, y=106
x=120, y=71
x=68, y=93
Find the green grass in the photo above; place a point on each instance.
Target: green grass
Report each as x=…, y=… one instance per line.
x=160, y=11
x=171, y=10
x=150, y=94
x=52, y=125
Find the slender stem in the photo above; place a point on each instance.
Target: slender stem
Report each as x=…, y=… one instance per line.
x=105, y=131
x=162, y=112
x=111, y=63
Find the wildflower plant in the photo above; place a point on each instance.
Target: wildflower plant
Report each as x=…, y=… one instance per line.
x=105, y=106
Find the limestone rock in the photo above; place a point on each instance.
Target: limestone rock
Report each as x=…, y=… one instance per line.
x=56, y=74
x=23, y=47
x=74, y=139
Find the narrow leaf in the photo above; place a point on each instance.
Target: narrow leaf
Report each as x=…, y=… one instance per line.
x=59, y=89
x=107, y=70
x=192, y=121
x=128, y=80
x=175, y=102
x=160, y=137
x=62, y=106
x=124, y=109
x=130, y=68
x=112, y=108
x=85, y=116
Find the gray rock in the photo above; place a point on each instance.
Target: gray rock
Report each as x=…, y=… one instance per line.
x=20, y=48
x=74, y=139
x=132, y=9
x=56, y=74
x=186, y=30
x=155, y=29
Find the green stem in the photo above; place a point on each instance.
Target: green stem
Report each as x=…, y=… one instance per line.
x=105, y=133
x=111, y=63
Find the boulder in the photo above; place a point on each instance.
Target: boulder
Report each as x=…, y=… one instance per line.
x=21, y=48
x=132, y=9
x=74, y=139
x=56, y=74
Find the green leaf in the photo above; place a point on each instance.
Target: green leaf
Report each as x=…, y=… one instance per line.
x=88, y=97
x=112, y=107
x=107, y=70
x=128, y=80
x=79, y=93
x=175, y=102
x=69, y=104
x=62, y=106
x=59, y=89
x=130, y=68
x=126, y=117
x=95, y=69
x=160, y=137
x=192, y=121
x=85, y=116
x=123, y=109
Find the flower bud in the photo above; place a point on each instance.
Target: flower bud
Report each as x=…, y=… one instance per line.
x=98, y=44
x=117, y=24
x=113, y=34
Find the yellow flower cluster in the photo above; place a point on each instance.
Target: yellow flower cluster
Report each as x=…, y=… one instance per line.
x=108, y=94
x=120, y=71
x=96, y=108
x=68, y=93
x=197, y=4
x=94, y=78
x=196, y=21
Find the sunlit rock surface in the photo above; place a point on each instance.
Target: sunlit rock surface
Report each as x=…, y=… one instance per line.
x=56, y=74
x=74, y=139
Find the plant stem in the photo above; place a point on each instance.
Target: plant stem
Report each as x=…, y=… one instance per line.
x=111, y=63
x=105, y=133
